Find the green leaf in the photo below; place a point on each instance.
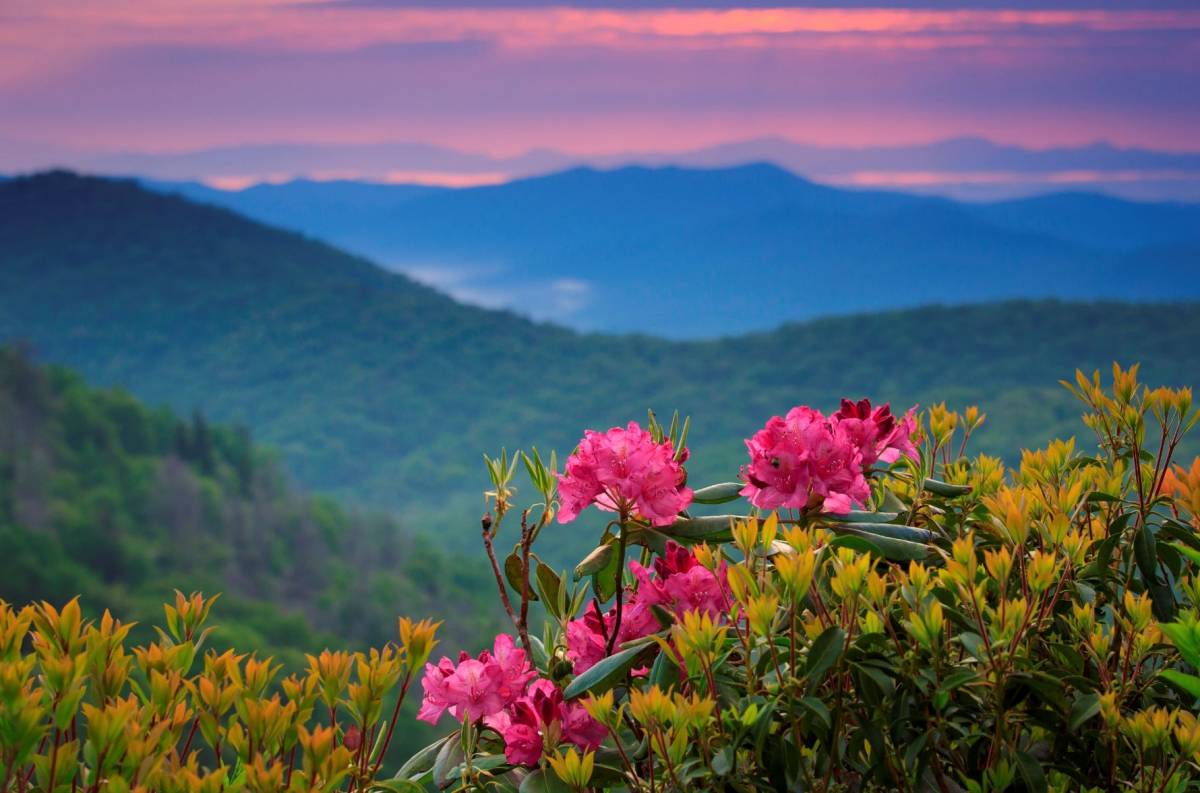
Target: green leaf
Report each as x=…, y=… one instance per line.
x=605, y=580
x=1085, y=707
x=538, y=654
x=958, y=679
x=1192, y=554
x=1144, y=551
x=974, y=644
x=1185, y=640
x=939, y=488
x=1031, y=772
x=891, y=502
x=512, y=571
x=397, y=786
x=422, y=762
x=823, y=653
x=1162, y=600
x=817, y=708
x=548, y=585
x=718, y=494
x=543, y=780
x=857, y=543
x=448, y=758
x=887, y=530
x=1189, y=684
x=664, y=673
x=597, y=560
x=722, y=762
x=855, y=516
x=605, y=674
x=888, y=548
x=713, y=528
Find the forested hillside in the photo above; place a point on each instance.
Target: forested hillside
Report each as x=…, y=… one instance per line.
x=105, y=498
x=385, y=392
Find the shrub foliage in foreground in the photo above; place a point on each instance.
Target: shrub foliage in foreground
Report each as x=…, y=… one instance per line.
x=890, y=615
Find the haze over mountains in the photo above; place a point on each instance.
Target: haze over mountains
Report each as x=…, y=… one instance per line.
x=964, y=168
x=377, y=388
x=718, y=251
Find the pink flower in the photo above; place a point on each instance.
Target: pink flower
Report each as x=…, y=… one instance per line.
x=470, y=690
x=836, y=466
x=624, y=470
x=877, y=432
x=682, y=584
x=586, y=642
x=679, y=583
x=806, y=459
x=475, y=688
x=516, y=669
x=541, y=717
x=580, y=728
x=522, y=744
x=801, y=459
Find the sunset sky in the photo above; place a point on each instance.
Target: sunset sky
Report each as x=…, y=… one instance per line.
x=590, y=77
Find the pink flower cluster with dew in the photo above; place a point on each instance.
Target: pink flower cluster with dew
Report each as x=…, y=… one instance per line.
x=806, y=458
x=680, y=583
x=624, y=470
x=496, y=687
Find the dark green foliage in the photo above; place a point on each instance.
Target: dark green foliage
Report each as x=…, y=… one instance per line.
x=102, y=497
x=378, y=389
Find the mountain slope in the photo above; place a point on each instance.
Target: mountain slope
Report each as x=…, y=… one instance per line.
x=103, y=497
x=1097, y=221
x=376, y=388
x=740, y=248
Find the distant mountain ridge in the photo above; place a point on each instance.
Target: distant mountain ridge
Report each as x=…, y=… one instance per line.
x=741, y=248
x=378, y=389
x=964, y=167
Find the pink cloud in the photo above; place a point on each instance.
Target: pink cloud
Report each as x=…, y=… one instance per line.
x=180, y=74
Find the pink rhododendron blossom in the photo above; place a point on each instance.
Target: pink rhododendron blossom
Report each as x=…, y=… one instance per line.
x=624, y=470
x=876, y=432
x=515, y=668
x=580, y=728
x=586, y=637
x=677, y=584
x=682, y=584
x=471, y=689
x=522, y=744
x=805, y=459
x=539, y=717
x=837, y=471
x=475, y=688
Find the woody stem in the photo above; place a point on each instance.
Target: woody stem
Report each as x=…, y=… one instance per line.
x=612, y=637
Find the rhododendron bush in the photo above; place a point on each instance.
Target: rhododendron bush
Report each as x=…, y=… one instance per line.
x=865, y=605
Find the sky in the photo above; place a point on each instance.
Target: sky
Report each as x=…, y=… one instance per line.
x=80, y=78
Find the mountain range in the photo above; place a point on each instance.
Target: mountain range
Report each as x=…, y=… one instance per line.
x=729, y=250
x=385, y=391
x=965, y=167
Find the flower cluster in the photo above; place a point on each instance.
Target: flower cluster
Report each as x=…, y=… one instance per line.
x=806, y=459
x=496, y=688
x=539, y=720
x=475, y=688
x=680, y=584
x=626, y=471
